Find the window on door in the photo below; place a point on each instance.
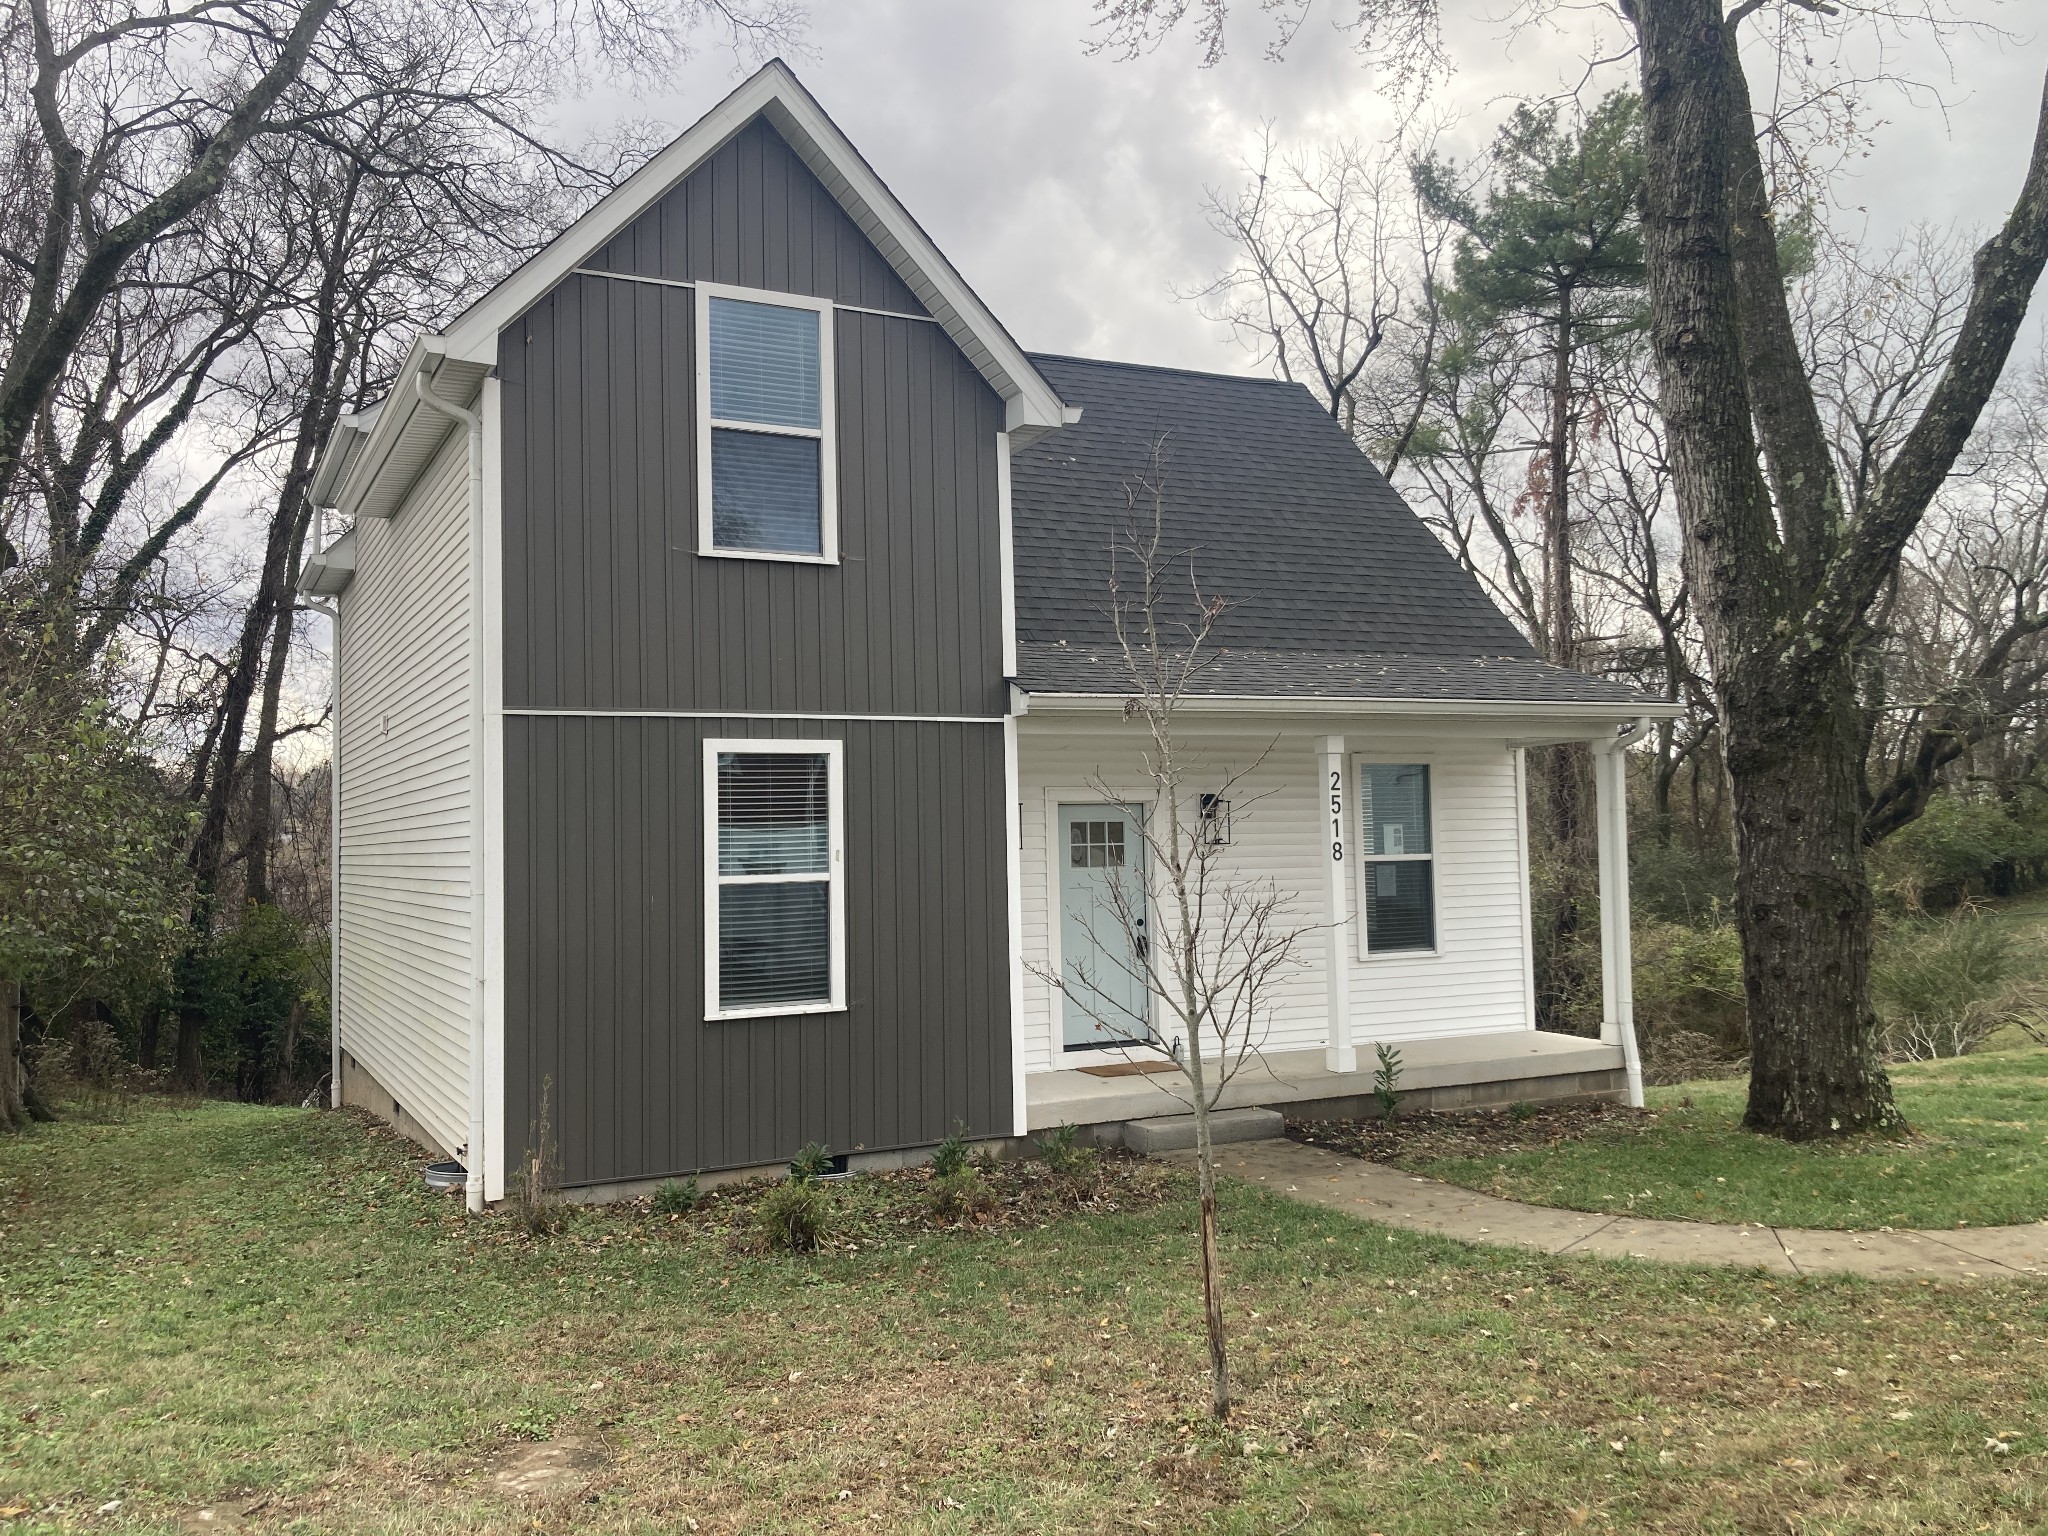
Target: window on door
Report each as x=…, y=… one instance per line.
x=765, y=478
x=1398, y=866
x=775, y=931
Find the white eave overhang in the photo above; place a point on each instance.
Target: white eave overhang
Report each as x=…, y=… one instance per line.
x=1031, y=406
x=328, y=573
x=374, y=458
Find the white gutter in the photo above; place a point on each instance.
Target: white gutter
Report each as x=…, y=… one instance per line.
x=1322, y=704
x=473, y=1153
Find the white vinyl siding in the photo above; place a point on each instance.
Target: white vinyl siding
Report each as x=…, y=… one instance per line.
x=1473, y=983
x=405, y=969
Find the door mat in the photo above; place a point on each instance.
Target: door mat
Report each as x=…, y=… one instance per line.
x=1129, y=1068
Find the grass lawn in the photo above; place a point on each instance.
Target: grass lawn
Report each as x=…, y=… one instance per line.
x=1977, y=1155
x=261, y=1310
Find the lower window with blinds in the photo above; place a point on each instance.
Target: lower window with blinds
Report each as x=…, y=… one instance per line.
x=775, y=929
x=1397, y=862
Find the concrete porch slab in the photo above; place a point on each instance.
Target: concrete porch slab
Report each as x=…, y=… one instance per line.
x=1447, y=1072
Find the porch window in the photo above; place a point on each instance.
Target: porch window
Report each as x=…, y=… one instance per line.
x=1398, y=866
x=764, y=441
x=775, y=907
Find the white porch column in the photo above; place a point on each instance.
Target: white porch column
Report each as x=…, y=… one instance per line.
x=1340, y=1056
x=1617, y=958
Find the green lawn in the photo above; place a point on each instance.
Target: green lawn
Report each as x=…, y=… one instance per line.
x=260, y=1310
x=1977, y=1155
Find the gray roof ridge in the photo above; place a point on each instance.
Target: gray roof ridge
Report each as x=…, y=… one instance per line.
x=1165, y=368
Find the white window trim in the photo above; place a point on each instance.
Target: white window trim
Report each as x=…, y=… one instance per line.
x=835, y=794
x=1364, y=860
x=826, y=434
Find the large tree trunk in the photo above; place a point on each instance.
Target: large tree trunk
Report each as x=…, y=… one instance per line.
x=1787, y=703
x=13, y=1072
x=1804, y=909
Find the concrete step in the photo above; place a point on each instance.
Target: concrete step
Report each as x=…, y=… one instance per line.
x=1176, y=1133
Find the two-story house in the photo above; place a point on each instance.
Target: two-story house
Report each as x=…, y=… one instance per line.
x=727, y=704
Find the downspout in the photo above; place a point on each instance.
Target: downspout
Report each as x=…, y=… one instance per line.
x=473, y=1153
x=332, y=612
x=1622, y=953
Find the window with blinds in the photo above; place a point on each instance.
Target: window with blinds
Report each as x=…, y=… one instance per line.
x=765, y=426
x=775, y=934
x=1397, y=862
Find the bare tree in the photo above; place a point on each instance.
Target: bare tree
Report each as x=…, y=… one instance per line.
x=1205, y=943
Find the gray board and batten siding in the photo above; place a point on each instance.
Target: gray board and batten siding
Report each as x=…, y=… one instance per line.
x=609, y=609
x=604, y=951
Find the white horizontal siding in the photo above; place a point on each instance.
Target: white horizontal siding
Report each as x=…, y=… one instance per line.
x=405, y=968
x=1475, y=982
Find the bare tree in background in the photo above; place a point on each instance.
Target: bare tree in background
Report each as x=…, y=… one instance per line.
x=1205, y=942
x=1336, y=282
x=1785, y=570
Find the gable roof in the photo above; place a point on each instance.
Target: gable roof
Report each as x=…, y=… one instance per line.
x=1340, y=592
x=775, y=93
x=374, y=457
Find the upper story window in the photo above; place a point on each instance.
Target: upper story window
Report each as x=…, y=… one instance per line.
x=1398, y=864
x=764, y=426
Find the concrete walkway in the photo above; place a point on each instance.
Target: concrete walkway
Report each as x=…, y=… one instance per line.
x=1378, y=1193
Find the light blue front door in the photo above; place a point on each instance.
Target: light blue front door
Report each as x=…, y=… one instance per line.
x=1104, y=1000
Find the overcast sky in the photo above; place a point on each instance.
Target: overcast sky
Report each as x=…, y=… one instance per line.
x=1068, y=188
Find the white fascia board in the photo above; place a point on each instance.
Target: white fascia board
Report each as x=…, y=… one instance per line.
x=1268, y=704
x=774, y=92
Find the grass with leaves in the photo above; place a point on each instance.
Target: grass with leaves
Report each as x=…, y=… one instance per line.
x=1977, y=1154
x=261, y=1313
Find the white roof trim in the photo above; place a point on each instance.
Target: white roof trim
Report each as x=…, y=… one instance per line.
x=776, y=93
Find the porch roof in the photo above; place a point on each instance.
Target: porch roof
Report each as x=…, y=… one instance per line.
x=1363, y=677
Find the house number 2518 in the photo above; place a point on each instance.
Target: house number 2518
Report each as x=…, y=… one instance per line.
x=1336, y=815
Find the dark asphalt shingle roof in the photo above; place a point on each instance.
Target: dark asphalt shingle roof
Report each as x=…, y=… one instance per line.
x=1337, y=585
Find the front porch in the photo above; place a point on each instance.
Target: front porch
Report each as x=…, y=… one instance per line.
x=1479, y=1071
x=1439, y=965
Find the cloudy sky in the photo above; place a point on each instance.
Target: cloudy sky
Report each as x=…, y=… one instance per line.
x=1068, y=188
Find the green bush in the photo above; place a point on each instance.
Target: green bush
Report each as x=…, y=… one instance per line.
x=1944, y=987
x=793, y=1216
x=1063, y=1153
x=1688, y=980
x=960, y=1195
x=676, y=1197
x=950, y=1155
x=814, y=1161
x=1677, y=882
x=1960, y=847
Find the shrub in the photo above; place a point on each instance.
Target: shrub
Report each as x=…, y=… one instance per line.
x=534, y=1201
x=1958, y=848
x=676, y=1197
x=1386, y=1081
x=950, y=1156
x=1063, y=1153
x=793, y=1216
x=1688, y=980
x=814, y=1161
x=1943, y=988
x=960, y=1195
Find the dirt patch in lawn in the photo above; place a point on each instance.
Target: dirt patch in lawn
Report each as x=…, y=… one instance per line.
x=1428, y=1137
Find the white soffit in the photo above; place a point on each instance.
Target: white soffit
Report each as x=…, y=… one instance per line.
x=775, y=93
x=378, y=470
